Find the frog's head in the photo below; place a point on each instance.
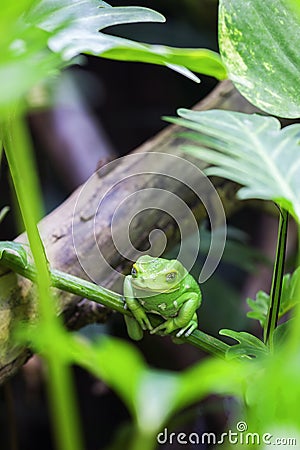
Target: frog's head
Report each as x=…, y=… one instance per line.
x=157, y=274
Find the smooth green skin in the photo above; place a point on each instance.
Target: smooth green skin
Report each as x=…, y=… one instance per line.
x=164, y=287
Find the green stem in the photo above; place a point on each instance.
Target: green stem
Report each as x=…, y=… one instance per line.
x=23, y=171
x=278, y=273
x=63, y=405
x=207, y=343
x=110, y=299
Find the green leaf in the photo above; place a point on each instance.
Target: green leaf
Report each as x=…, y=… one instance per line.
x=202, y=61
x=249, y=345
x=289, y=298
x=80, y=23
x=14, y=249
x=77, y=24
x=216, y=376
x=24, y=56
x=259, y=44
x=251, y=150
x=259, y=307
x=281, y=333
x=290, y=292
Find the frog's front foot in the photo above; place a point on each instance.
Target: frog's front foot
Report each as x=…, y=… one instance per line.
x=142, y=319
x=165, y=328
x=169, y=326
x=187, y=331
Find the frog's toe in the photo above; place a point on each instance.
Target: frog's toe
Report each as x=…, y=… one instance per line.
x=191, y=329
x=187, y=331
x=158, y=330
x=180, y=333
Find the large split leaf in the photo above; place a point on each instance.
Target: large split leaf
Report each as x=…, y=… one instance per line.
x=259, y=43
x=251, y=150
x=38, y=38
x=80, y=23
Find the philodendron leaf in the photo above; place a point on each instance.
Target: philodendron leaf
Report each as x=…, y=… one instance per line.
x=40, y=37
x=249, y=345
x=78, y=25
x=259, y=44
x=251, y=150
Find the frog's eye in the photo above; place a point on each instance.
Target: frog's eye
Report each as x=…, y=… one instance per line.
x=171, y=276
x=134, y=272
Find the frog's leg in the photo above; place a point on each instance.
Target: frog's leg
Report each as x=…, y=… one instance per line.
x=139, y=321
x=133, y=329
x=186, y=318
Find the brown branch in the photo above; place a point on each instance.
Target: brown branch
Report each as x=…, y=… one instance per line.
x=18, y=298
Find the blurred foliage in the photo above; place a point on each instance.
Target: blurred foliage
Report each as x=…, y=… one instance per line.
x=151, y=396
x=25, y=59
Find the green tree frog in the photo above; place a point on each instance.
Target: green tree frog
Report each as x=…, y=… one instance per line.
x=163, y=287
